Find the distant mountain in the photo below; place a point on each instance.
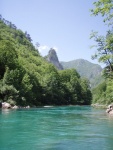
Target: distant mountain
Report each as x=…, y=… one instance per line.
x=86, y=69
x=52, y=58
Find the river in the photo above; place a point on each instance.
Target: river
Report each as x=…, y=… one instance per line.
x=56, y=128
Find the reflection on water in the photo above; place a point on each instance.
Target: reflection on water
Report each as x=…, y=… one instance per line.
x=5, y=111
x=56, y=128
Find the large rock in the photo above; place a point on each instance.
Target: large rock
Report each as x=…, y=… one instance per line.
x=110, y=109
x=6, y=105
x=15, y=107
x=52, y=58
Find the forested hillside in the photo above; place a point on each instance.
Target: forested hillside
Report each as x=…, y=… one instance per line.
x=26, y=78
x=86, y=69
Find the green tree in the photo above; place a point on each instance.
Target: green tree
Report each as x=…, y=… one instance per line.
x=99, y=94
x=104, y=52
x=86, y=94
x=77, y=90
x=104, y=44
x=104, y=7
x=103, y=93
x=8, y=56
x=8, y=92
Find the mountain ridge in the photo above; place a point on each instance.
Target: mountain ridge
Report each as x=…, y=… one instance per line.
x=80, y=62
x=86, y=69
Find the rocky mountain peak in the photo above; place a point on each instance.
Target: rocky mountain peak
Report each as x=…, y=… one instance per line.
x=52, y=58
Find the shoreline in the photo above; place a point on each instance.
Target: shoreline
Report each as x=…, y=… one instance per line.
x=99, y=105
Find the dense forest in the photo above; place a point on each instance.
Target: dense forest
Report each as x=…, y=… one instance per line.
x=26, y=78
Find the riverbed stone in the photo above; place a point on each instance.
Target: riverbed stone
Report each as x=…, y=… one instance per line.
x=110, y=109
x=6, y=105
x=15, y=107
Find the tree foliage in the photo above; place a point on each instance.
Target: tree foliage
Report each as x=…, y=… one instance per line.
x=104, y=52
x=26, y=78
x=103, y=93
x=105, y=8
x=104, y=44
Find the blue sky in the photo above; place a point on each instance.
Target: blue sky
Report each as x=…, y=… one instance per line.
x=62, y=24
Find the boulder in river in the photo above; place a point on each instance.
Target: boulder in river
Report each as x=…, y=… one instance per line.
x=6, y=105
x=110, y=109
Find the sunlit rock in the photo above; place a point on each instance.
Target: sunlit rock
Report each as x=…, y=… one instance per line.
x=15, y=107
x=110, y=109
x=6, y=105
x=27, y=106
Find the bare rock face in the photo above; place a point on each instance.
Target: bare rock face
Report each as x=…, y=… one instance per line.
x=6, y=105
x=52, y=58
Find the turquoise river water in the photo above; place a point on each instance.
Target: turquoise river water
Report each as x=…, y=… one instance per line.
x=56, y=128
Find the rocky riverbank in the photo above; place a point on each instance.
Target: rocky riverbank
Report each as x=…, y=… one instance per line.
x=109, y=108
x=99, y=106
x=5, y=105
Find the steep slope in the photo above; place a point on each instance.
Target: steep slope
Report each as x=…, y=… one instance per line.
x=52, y=58
x=26, y=78
x=86, y=69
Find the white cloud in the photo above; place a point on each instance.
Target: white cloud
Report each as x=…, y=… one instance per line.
x=43, y=49
x=55, y=48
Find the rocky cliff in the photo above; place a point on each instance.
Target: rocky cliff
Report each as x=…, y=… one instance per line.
x=52, y=58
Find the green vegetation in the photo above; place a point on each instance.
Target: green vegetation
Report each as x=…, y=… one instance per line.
x=26, y=78
x=103, y=93
x=86, y=69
